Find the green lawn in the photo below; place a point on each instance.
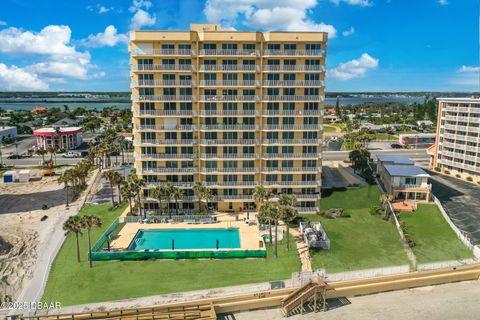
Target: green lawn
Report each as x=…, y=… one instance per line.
x=360, y=242
x=327, y=128
x=383, y=136
x=72, y=283
x=435, y=239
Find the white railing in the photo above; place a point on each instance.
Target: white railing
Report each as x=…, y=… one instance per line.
x=215, y=127
x=164, y=141
x=228, y=98
x=136, y=97
x=292, y=141
x=165, y=113
x=292, y=155
x=292, y=127
x=309, y=53
x=228, y=170
x=180, y=184
x=291, y=183
x=291, y=169
x=228, y=112
x=307, y=209
x=414, y=186
x=367, y=273
x=229, y=52
x=293, y=98
x=231, y=67
x=164, y=127
x=294, y=68
x=292, y=112
x=231, y=183
x=227, y=141
x=229, y=83
x=166, y=170
x=164, y=52
x=162, y=83
x=163, y=67
x=292, y=83
x=228, y=155
x=166, y=156
x=234, y=197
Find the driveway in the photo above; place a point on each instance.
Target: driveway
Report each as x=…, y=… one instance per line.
x=461, y=201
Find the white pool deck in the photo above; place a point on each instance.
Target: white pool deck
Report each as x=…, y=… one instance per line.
x=249, y=234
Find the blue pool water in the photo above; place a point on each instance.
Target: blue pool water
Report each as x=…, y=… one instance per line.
x=185, y=239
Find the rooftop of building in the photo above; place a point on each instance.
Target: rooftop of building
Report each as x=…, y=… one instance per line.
x=53, y=129
x=4, y=128
x=400, y=170
x=395, y=159
x=418, y=135
x=462, y=99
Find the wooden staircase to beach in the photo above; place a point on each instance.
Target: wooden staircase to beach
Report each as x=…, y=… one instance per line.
x=312, y=294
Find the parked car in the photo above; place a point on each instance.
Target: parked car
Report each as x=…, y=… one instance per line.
x=15, y=156
x=396, y=146
x=71, y=154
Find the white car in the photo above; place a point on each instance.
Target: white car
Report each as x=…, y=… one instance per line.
x=70, y=154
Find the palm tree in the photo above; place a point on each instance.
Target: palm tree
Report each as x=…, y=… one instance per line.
x=110, y=176
x=287, y=200
x=199, y=189
x=65, y=178
x=177, y=193
x=384, y=200
x=74, y=224
x=41, y=152
x=128, y=194
x=207, y=195
x=118, y=180
x=167, y=192
x=268, y=211
x=89, y=223
x=136, y=185
x=261, y=194
x=288, y=215
x=158, y=193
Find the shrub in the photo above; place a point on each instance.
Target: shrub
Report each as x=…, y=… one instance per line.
x=478, y=182
x=446, y=172
x=410, y=241
x=333, y=213
x=458, y=175
x=345, y=215
x=374, y=210
x=469, y=179
x=438, y=169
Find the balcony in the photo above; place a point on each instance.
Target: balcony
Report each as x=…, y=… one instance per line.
x=228, y=170
x=231, y=67
x=229, y=83
x=228, y=98
x=163, y=52
x=292, y=112
x=231, y=197
x=167, y=113
x=180, y=184
x=162, y=67
x=288, y=127
x=231, y=184
x=228, y=156
x=137, y=98
x=227, y=141
x=291, y=183
x=228, y=112
x=147, y=127
x=182, y=199
x=146, y=142
x=165, y=156
x=291, y=169
x=229, y=127
x=166, y=170
x=162, y=83
x=229, y=52
x=308, y=209
x=293, y=98
x=424, y=186
x=293, y=68
x=294, y=53
x=292, y=83
x=291, y=155
x=291, y=141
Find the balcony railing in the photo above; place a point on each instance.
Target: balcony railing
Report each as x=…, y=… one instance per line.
x=231, y=183
x=180, y=184
x=291, y=155
x=166, y=156
x=292, y=141
x=228, y=170
x=307, y=209
x=291, y=169
x=163, y=83
x=162, y=98
x=228, y=98
x=164, y=52
x=229, y=52
x=228, y=156
x=291, y=183
x=166, y=170
x=146, y=127
x=414, y=186
x=228, y=127
x=165, y=113
x=293, y=98
x=292, y=127
x=163, y=67
x=229, y=83
x=234, y=197
x=292, y=83
x=227, y=141
x=294, y=68
x=292, y=112
x=231, y=67
x=298, y=53
x=164, y=141
x=228, y=112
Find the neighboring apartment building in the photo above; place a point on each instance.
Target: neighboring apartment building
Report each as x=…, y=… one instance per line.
x=402, y=179
x=457, y=147
x=231, y=109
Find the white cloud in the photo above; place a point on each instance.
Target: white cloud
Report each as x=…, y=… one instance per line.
x=354, y=68
x=3, y=23
x=16, y=79
x=348, y=32
x=103, y=9
x=288, y=15
x=468, y=76
x=60, y=69
x=443, y=2
x=142, y=18
x=139, y=4
x=362, y=3
x=108, y=38
x=467, y=69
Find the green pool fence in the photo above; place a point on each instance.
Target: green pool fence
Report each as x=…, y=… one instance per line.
x=98, y=254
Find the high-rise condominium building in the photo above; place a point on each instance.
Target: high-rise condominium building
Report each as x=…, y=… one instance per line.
x=457, y=148
x=230, y=109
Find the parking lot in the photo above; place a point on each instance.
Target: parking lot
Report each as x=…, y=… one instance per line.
x=461, y=201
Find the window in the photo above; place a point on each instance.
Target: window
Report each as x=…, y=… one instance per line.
x=143, y=77
x=229, y=164
x=249, y=46
x=145, y=61
x=185, y=106
x=289, y=62
x=185, y=61
x=273, y=76
x=273, y=62
x=273, y=91
x=210, y=62
x=287, y=163
x=147, y=106
x=229, y=106
x=273, y=46
x=184, y=46
x=210, y=135
x=290, y=46
x=312, y=62
x=310, y=120
x=211, y=106
x=289, y=76
x=168, y=46
x=288, y=135
x=287, y=177
x=312, y=76
x=287, y=149
x=272, y=135
x=249, y=76
x=289, y=91
x=229, y=46
x=248, y=106
x=168, y=61
x=248, y=150
x=248, y=135
x=311, y=91
x=185, y=91
x=289, y=106
x=147, y=91
x=248, y=163
x=272, y=149
x=229, y=76
x=310, y=135
x=229, y=62
x=309, y=149
x=313, y=46
x=273, y=106
x=170, y=106
x=230, y=135
x=169, y=91
x=248, y=62
x=272, y=164
x=310, y=105
x=288, y=120
x=209, y=46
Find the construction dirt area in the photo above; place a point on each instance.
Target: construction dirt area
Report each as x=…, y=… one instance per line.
x=22, y=230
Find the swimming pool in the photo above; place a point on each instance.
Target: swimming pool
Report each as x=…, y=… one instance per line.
x=182, y=239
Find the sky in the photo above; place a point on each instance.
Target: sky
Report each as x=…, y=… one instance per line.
x=373, y=45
